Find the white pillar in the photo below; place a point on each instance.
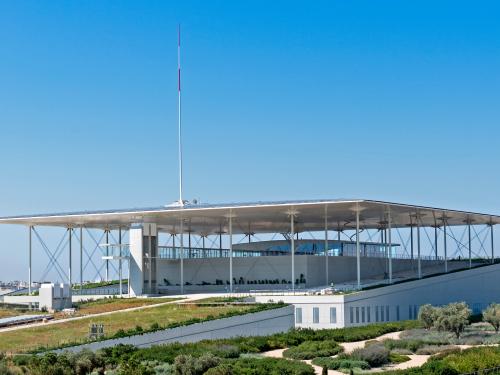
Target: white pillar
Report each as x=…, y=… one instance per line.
x=436, y=241
x=389, y=230
x=445, y=246
x=470, y=244
x=326, y=246
x=107, y=253
x=418, y=250
x=492, y=248
x=150, y=262
x=292, y=248
x=120, y=260
x=81, y=259
x=358, y=260
x=70, y=231
x=182, y=255
x=29, y=259
x=230, y=252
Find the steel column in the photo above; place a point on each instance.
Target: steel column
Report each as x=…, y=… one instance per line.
x=492, y=247
x=120, y=259
x=292, y=248
x=358, y=260
x=411, y=241
x=70, y=232
x=81, y=259
x=389, y=232
x=445, y=243
x=418, y=250
x=436, y=241
x=470, y=245
x=182, y=255
x=326, y=245
x=29, y=258
x=107, y=254
x=230, y=252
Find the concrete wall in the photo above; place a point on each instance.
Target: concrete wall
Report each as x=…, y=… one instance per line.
x=255, y=324
x=477, y=287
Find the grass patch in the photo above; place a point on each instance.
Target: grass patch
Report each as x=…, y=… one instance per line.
x=63, y=334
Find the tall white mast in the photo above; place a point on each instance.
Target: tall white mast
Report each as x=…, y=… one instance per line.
x=181, y=202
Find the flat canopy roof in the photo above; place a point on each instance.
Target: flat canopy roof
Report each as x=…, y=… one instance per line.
x=262, y=217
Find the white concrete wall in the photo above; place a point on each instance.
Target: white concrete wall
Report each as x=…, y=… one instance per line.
x=136, y=255
x=255, y=324
x=477, y=287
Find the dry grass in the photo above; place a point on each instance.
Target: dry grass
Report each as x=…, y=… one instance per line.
x=56, y=334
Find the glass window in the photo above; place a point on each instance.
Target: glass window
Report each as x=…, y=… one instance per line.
x=410, y=312
x=298, y=315
x=333, y=315
x=382, y=314
x=315, y=315
x=368, y=314
x=376, y=314
x=357, y=314
x=387, y=316
x=397, y=312
x=363, y=314
x=351, y=313
x=415, y=312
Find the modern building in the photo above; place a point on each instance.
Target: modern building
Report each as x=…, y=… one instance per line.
x=364, y=248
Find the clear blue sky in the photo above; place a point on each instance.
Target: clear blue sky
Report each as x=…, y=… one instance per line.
x=389, y=100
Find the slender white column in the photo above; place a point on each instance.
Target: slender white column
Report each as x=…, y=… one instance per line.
x=120, y=259
x=389, y=232
x=70, y=232
x=411, y=242
x=358, y=260
x=230, y=252
x=150, y=261
x=418, y=250
x=326, y=245
x=470, y=245
x=182, y=255
x=107, y=253
x=492, y=247
x=81, y=259
x=445, y=243
x=436, y=241
x=292, y=249
x=29, y=258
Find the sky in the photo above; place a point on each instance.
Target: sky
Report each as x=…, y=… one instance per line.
x=384, y=100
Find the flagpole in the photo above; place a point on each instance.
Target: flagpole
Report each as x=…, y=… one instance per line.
x=181, y=202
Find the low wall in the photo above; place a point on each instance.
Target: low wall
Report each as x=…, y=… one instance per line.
x=253, y=324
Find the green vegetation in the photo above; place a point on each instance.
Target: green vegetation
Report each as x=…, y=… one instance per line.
x=453, y=317
x=119, y=324
x=313, y=349
x=99, y=284
x=492, y=315
x=340, y=363
x=374, y=355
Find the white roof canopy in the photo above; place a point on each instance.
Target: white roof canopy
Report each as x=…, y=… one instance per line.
x=263, y=217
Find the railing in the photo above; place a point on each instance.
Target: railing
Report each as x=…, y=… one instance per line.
x=170, y=252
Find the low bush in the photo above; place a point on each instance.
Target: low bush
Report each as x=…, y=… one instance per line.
x=409, y=344
x=435, y=349
x=398, y=358
x=375, y=355
x=340, y=363
x=474, y=359
x=313, y=349
x=189, y=365
x=255, y=366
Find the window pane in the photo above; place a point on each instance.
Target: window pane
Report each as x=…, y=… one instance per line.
x=351, y=313
x=387, y=317
x=363, y=314
x=357, y=314
x=298, y=315
x=315, y=315
x=368, y=314
x=333, y=315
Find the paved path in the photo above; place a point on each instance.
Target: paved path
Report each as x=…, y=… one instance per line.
x=185, y=298
x=415, y=360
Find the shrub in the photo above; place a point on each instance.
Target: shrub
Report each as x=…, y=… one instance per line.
x=492, y=315
x=435, y=349
x=268, y=366
x=340, y=363
x=474, y=359
x=189, y=365
x=453, y=318
x=375, y=355
x=398, y=358
x=312, y=349
x=427, y=315
x=411, y=345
